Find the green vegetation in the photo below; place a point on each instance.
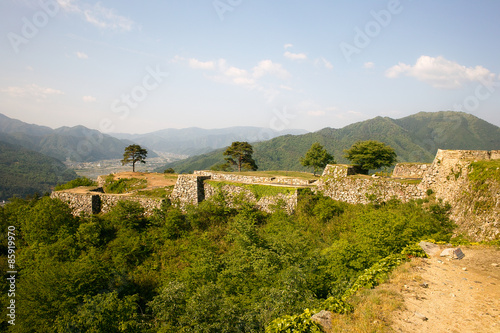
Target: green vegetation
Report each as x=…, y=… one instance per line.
x=161, y=192
x=258, y=190
x=370, y=155
x=415, y=138
x=134, y=154
x=317, y=157
x=123, y=185
x=484, y=177
x=482, y=173
x=210, y=269
x=276, y=173
x=24, y=172
x=239, y=154
x=80, y=181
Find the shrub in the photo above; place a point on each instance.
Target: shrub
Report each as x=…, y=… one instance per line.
x=80, y=181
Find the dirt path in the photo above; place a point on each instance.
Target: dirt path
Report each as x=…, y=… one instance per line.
x=446, y=295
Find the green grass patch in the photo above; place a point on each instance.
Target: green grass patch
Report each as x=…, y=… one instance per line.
x=123, y=185
x=80, y=181
x=482, y=172
x=290, y=174
x=161, y=192
x=258, y=190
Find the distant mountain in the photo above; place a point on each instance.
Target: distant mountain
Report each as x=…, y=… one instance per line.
x=78, y=143
x=25, y=172
x=194, y=140
x=415, y=138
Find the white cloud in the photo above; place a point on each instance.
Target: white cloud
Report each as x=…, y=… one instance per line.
x=368, y=64
x=316, y=113
x=31, y=90
x=266, y=67
x=97, y=15
x=441, y=73
x=295, y=56
x=286, y=46
x=196, y=64
x=323, y=62
x=89, y=99
x=284, y=87
x=82, y=55
x=29, y=68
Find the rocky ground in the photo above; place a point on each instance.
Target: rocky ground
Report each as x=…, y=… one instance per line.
x=451, y=295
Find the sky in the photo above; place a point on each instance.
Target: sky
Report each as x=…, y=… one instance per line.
x=142, y=66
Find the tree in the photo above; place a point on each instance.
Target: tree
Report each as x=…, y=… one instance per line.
x=240, y=155
x=134, y=154
x=370, y=155
x=317, y=157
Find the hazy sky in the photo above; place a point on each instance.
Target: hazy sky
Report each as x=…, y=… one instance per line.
x=141, y=66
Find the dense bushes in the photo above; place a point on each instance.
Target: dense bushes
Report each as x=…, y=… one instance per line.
x=80, y=181
x=211, y=269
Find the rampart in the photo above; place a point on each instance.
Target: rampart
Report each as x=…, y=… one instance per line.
x=339, y=184
x=232, y=177
x=410, y=170
x=236, y=194
x=97, y=202
x=476, y=214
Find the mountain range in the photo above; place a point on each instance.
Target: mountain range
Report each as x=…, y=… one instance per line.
x=77, y=144
x=415, y=138
x=194, y=141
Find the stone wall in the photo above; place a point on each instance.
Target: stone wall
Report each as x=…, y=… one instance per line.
x=96, y=202
x=232, y=177
x=235, y=194
x=448, y=179
x=189, y=189
x=410, y=170
x=359, y=189
x=79, y=202
x=338, y=170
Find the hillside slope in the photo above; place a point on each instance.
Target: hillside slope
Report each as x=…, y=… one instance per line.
x=78, y=143
x=415, y=138
x=25, y=172
x=194, y=141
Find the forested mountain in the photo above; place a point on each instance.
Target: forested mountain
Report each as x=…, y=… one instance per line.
x=415, y=138
x=25, y=172
x=78, y=143
x=193, y=140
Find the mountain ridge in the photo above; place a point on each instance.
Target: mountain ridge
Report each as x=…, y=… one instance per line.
x=415, y=138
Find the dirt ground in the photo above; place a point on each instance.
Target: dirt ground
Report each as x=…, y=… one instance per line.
x=451, y=295
x=154, y=179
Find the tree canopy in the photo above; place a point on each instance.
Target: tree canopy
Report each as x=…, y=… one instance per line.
x=240, y=155
x=317, y=157
x=371, y=155
x=134, y=154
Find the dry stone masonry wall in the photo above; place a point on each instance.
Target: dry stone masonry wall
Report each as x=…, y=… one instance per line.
x=476, y=214
x=96, y=202
x=410, y=170
x=235, y=194
x=232, y=177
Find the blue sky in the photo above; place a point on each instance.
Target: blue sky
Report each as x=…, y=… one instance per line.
x=141, y=66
